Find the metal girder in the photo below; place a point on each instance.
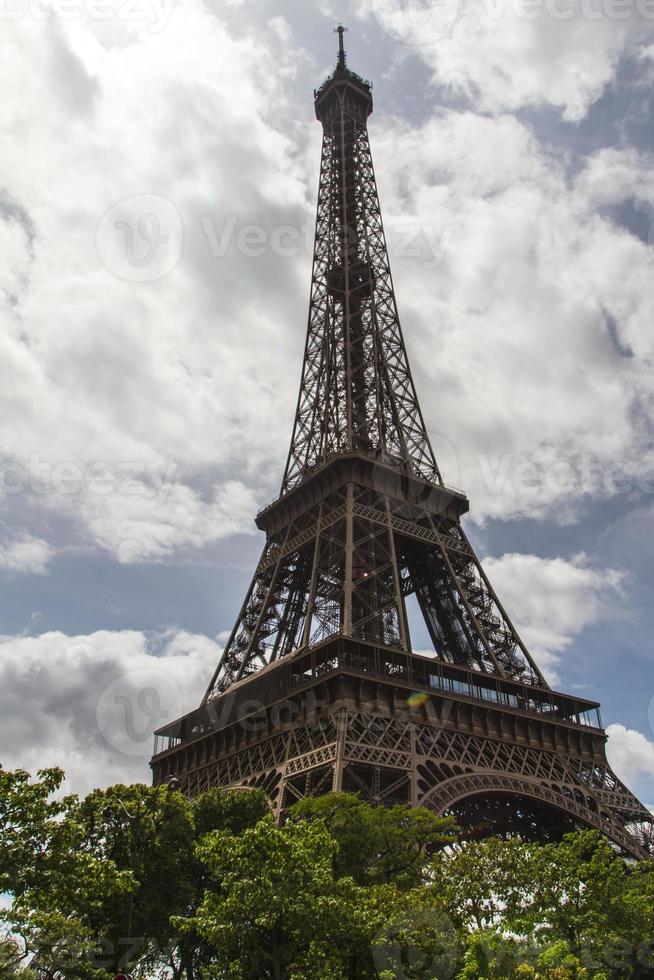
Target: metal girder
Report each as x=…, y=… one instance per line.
x=347, y=565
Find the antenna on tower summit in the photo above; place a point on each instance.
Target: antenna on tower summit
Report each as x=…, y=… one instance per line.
x=340, y=30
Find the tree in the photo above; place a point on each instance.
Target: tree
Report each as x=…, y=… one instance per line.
x=212, y=810
x=152, y=833
x=95, y=882
x=377, y=844
x=581, y=909
x=278, y=910
x=585, y=895
x=235, y=811
x=56, y=883
x=559, y=963
x=28, y=825
x=484, y=883
x=212, y=887
x=12, y=961
x=418, y=938
x=281, y=904
x=147, y=833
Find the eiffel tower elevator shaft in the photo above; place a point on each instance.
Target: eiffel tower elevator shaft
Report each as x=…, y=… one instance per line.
x=318, y=687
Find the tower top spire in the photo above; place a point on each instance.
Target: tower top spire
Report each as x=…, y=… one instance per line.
x=328, y=95
x=340, y=30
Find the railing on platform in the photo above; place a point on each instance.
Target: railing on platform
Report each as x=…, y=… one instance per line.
x=416, y=673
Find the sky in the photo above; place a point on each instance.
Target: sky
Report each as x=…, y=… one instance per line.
x=157, y=202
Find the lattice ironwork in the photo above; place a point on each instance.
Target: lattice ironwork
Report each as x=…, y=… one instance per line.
x=357, y=393
x=347, y=565
x=363, y=522
x=393, y=758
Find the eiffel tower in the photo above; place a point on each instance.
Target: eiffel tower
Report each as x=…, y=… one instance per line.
x=318, y=687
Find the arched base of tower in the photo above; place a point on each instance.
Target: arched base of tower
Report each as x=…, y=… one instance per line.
x=506, y=815
x=487, y=804
x=386, y=725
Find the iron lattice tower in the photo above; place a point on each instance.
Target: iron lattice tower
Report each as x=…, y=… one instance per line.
x=318, y=687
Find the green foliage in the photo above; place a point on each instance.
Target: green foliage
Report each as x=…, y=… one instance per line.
x=58, y=884
x=491, y=955
x=581, y=910
x=148, y=833
x=213, y=888
x=559, y=963
x=279, y=910
x=12, y=962
x=95, y=882
x=585, y=895
x=29, y=828
x=377, y=843
x=234, y=812
x=417, y=938
x=485, y=883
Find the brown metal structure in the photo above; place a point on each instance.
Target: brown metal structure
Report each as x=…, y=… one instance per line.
x=318, y=687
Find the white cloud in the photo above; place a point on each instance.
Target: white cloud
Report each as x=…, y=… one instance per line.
x=614, y=174
x=141, y=522
x=507, y=54
x=26, y=554
x=530, y=335
x=90, y=703
x=630, y=753
x=190, y=372
x=552, y=600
